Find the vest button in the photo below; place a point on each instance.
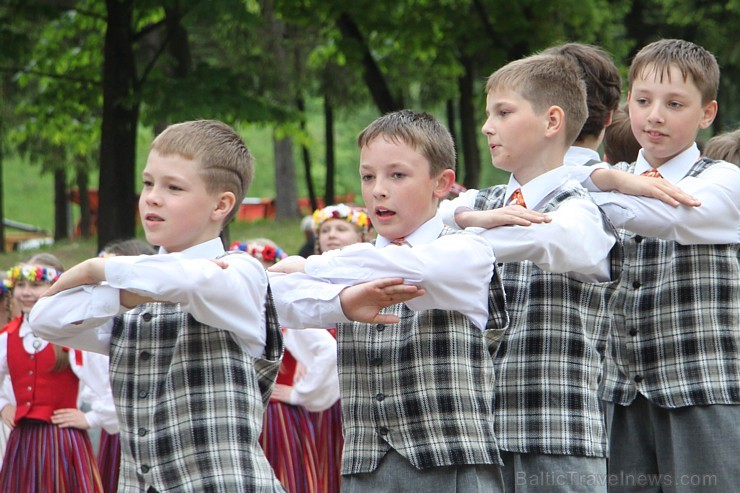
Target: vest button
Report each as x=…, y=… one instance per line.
x=376, y=361
x=383, y=431
x=28, y=403
x=638, y=238
x=636, y=284
x=380, y=327
x=638, y=378
x=142, y=432
x=144, y=468
x=633, y=332
x=143, y=393
x=30, y=372
x=379, y=397
x=29, y=388
x=145, y=355
x=146, y=316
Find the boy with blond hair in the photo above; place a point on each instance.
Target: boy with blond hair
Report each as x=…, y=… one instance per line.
x=672, y=378
x=194, y=343
x=417, y=399
x=558, y=256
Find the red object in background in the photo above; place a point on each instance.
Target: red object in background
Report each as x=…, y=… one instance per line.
x=252, y=209
x=74, y=197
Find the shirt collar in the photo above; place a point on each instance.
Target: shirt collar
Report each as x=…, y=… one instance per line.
x=25, y=327
x=578, y=156
x=208, y=249
x=539, y=188
x=673, y=170
x=426, y=233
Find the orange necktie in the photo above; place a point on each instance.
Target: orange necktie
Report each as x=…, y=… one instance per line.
x=398, y=241
x=517, y=198
x=652, y=173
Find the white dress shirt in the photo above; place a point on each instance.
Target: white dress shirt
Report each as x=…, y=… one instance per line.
x=454, y=270
x=574, y=242
x=231, y=299
x=715, y=221
x=93, y=373
x=578, y=156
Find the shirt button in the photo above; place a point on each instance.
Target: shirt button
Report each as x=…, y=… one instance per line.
x=145, y=355
x=142, y=432
x=144, y=468
x=146, y=316
x=636, y=284
x=383, y=431
x=143, y=393
x=633, y=332
x=638, y=378
x=380, y=328
x=379, y=397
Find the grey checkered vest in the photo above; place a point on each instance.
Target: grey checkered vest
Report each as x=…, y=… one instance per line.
x=423, y=387
x=676, y=322
x=548, y=366
x=190, y=402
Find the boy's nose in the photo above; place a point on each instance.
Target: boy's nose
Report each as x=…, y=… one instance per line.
x=655, y=115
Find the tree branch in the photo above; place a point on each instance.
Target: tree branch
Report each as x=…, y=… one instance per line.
x=65, y=77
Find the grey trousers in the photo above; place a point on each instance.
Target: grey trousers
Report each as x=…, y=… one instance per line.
x=687, y=449
x=395, y=474
x=527, y=473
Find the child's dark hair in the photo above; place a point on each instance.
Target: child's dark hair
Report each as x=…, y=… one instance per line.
x=620, y=144
x=603, y=83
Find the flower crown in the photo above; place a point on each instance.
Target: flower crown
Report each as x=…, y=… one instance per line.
x=33, y=273
x=354, y=215
x=267, y=253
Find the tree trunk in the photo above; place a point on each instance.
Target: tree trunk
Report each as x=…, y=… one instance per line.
x=118, y=133
x=306, y=155
x=86, y=216
x=376, y=83
x=286, y=203
x=61, y=216
x=468, y=126
x=329, y=191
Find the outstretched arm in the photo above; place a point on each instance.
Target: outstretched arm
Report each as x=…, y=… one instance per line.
x=511, y=215
x=644, y=186
x=363, y=302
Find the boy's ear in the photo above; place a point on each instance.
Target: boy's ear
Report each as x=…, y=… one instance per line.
x=224, y=204
x=555, y=120
x=710, y=112
x=445, y=180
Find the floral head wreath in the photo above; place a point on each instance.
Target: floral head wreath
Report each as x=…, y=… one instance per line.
x=267, y=253
x=33, y=273
x=354, y=215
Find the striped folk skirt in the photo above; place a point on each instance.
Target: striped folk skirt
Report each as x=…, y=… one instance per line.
x=329, y=442
x=40, y=456
x=109, y=460
x=289, y=444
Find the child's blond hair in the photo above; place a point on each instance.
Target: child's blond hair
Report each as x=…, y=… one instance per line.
x=691, y=59
x=225, y=161
x=546, y=80
x=416, y=129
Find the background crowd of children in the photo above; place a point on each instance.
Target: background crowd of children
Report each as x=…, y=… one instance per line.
x=581, y=320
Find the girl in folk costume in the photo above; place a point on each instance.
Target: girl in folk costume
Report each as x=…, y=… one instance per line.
x=109, y=450
x=48, y=448
x=335, y=226
x=8, y=311
x=307, y=381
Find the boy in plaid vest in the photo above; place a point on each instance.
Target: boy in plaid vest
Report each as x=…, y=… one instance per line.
x=559, y=258
x=194, y=343
x=672, y=378
x=416, y=398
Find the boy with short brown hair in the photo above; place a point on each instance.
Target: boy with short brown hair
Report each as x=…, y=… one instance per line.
x=558, y=255
x=672, y=373
x=416, y=399
x=195, y=344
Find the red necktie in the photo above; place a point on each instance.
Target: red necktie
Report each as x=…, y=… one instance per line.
x=517, y=198
x=652, y=173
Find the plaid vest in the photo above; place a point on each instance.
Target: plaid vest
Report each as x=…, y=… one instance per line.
x=676, y=322
x=548, y=367
x=190, y=402
x=423, y=387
